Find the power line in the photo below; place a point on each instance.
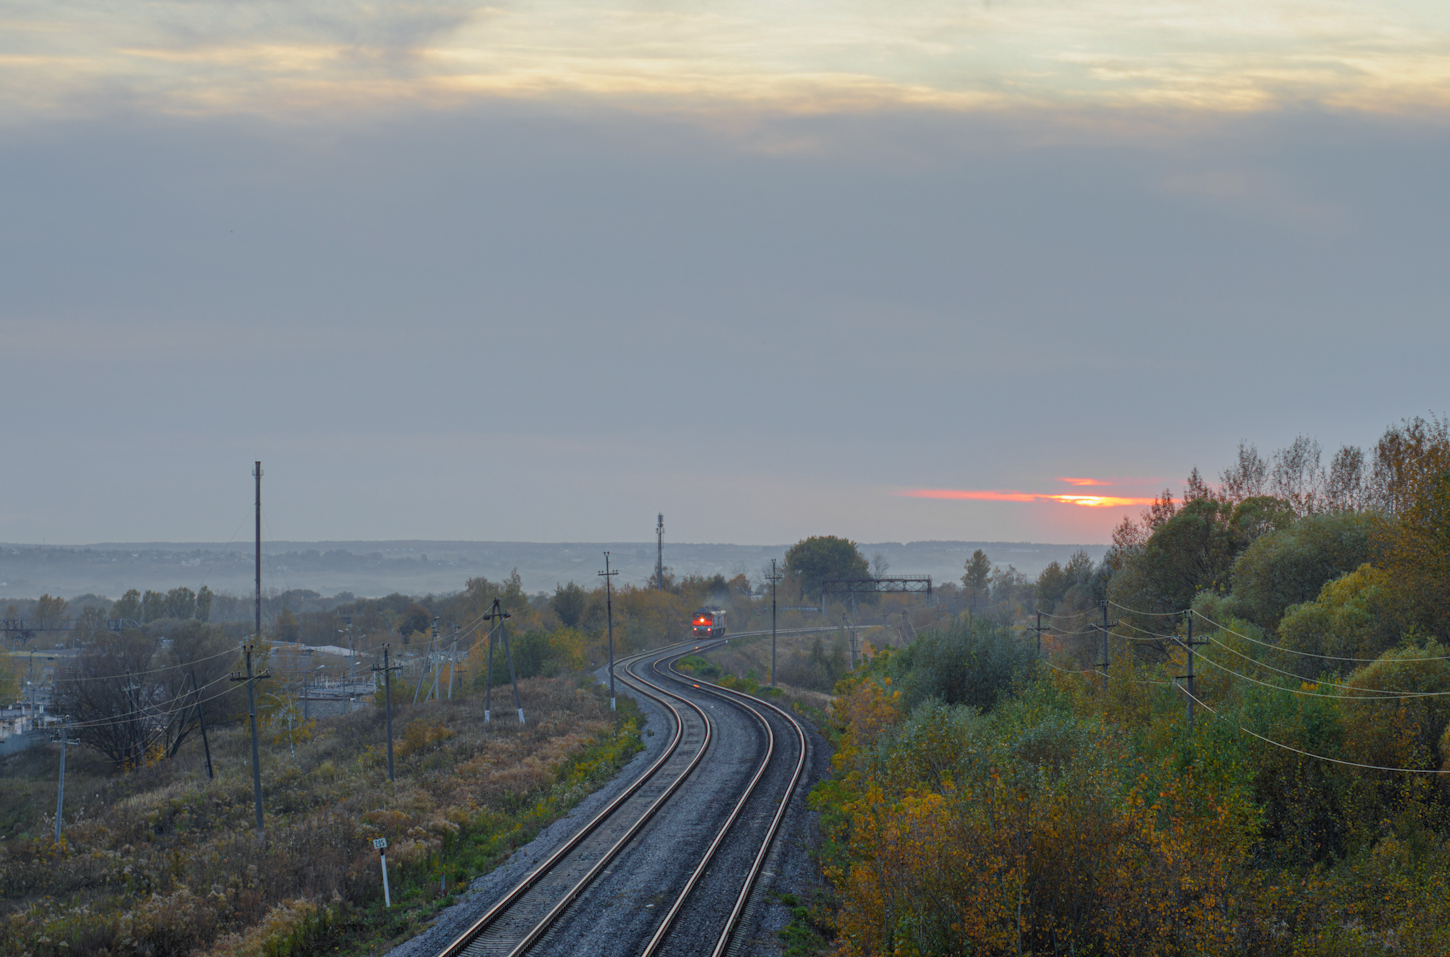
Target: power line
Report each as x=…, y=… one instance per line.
x=153, y=671
x=1363, y=694
x=1321, y=757
x=1292, y=651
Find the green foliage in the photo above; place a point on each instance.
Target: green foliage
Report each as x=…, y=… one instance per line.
x=1193, y=550
x=811, y=560
x=696, y=665
x=181, y=603
x=1290, y=565
x=969, y=662
x=153, y=606
x=1354, y=616
x=128, y=606
x=978, y=571
x=568, y=603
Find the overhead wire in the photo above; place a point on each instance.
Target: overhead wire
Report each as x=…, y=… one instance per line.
x=1293, y=651
x=1310, y=754
x=1362, y=694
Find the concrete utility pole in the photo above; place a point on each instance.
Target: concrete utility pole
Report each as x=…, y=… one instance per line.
x=60, y=793
x=497, y=614
x=387, y=671
x=660, y=560
x=774, y=578
x=1189, y=644
x=251, y=680
x=257, y=473
x=609, y=617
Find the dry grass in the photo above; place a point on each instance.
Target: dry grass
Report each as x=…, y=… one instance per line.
x=164, y=862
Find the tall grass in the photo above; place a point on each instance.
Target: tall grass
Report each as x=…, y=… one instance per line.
x=165, y=862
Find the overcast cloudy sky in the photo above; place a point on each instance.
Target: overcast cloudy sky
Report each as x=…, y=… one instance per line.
x=536, y=271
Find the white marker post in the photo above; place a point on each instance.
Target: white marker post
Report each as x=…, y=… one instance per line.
x=381, y=843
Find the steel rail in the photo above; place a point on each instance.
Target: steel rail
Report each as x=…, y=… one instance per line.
x=749, y=884
x=471, y=935
x=461, y=943
x=669, y=919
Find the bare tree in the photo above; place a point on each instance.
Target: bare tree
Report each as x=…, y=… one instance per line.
x=1347, y=488
x=879, y=565
x=1246, y=477
x=1297, y=476
x=1405, y=456
x=130, y=698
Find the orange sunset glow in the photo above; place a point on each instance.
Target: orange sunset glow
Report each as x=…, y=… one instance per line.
x=984, y=495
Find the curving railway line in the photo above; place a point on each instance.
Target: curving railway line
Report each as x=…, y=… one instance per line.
x=671, y=864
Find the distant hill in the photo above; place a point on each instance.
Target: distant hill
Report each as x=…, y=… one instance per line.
x=419, y=567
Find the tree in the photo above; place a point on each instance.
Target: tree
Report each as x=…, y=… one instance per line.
x=203, y=603
x=132, y=700
x=812, y=560
x=1246, y=477
x=417, y=618
x=1194, y=550
x=979, y=573
x=568, y=604
x=1288, y=566
x=128, y=606
x=153, y=606
x=181, y=603
x=1419, y=553
x=49, y=606
x=1052, y=584
x=1298, y=478
x=1406, y=458
x=287, y=627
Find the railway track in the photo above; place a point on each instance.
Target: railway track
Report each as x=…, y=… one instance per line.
x=672, y=861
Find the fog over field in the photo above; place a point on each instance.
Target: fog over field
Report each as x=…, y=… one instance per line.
x=420, y=567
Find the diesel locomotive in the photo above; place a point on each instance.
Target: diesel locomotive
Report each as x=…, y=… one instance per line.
x=708, y=623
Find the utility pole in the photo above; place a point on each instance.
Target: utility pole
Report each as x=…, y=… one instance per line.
x=1104, y=627
x=774, y=578
x=251, y=680
x=609, y=616
x=387, y=671
x=1039, y=634
x=60, y=793
x=257, y=554
x=660, y=560
x=1189, y=644
x=499, y=615
x=201, y=716
x=452, y=662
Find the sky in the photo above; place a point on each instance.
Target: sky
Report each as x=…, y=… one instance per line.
x=538, y=272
